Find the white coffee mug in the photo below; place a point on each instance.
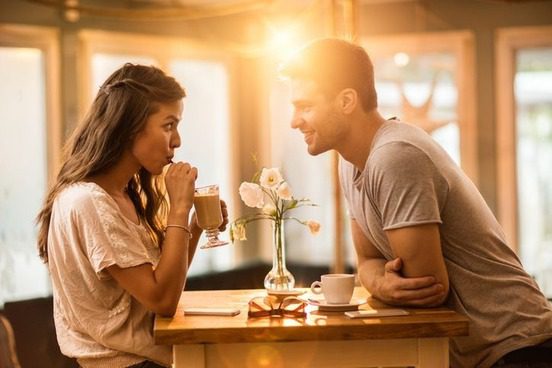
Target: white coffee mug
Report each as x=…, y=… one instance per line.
x=336, y=287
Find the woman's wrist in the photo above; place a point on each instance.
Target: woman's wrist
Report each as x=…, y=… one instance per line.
x=178, y=217
x=180, y=227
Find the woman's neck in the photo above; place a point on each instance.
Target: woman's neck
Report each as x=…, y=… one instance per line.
x=115, y=180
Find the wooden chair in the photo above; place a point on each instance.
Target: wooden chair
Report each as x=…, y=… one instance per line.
x=35, y=334
x=8, y=355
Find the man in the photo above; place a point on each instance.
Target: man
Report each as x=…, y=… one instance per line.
x=423, y=234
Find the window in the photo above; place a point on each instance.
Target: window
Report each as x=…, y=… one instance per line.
x=29, y=147
x=524, y=121
x=205, y=126
x=427, y=80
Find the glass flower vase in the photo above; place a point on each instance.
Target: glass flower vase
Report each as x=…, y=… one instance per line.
x=279, y=278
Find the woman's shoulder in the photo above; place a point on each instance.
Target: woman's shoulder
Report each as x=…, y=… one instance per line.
x=81, y=194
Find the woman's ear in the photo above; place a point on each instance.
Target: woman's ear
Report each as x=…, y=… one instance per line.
x=347, y=100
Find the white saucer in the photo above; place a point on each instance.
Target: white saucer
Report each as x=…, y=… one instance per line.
x=324, y=306
x=294, y=292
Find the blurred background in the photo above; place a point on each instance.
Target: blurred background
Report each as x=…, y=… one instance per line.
x=476, y=74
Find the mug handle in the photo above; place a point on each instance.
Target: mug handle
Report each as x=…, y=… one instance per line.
x=316, y=287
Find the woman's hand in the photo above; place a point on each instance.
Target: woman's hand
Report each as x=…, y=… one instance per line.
x=224, y=210
x=180, y=183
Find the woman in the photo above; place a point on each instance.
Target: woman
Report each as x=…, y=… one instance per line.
x=112, y=263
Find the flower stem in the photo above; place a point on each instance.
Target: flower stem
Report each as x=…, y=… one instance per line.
x=279, y=247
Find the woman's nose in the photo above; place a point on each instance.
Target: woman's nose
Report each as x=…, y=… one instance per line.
x=175, y=141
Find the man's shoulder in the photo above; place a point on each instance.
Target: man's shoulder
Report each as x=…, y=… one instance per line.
x=395, y=131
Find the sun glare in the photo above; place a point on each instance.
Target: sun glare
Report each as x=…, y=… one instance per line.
x=282, y=42
x=401, y=59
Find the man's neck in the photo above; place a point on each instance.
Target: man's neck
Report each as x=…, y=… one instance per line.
x=357, y=146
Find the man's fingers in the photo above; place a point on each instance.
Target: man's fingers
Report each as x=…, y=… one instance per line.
x=435, y=291
x=426, y=302
x=416, y=283
x=394, y=265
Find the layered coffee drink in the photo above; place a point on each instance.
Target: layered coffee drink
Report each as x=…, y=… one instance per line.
x=209, y=214
x=207, y=207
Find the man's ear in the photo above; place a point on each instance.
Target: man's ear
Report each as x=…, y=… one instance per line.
x=347, y=100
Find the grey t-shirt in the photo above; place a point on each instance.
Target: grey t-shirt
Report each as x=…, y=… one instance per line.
x=410, y=180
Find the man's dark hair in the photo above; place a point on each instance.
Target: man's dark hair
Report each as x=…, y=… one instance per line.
x=334, y=65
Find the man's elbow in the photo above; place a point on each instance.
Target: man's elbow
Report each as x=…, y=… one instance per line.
x=440, y=299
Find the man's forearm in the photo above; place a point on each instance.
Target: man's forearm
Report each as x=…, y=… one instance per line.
x=370, y=271
x=384, y=281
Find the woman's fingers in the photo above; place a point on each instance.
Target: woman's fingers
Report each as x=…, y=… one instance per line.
x=224, y=211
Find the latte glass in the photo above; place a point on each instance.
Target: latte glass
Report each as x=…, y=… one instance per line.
x=209, y=215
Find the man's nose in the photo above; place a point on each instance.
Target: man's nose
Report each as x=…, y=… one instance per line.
x=296, y=122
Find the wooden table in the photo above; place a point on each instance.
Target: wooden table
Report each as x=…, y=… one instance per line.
x=322, y=339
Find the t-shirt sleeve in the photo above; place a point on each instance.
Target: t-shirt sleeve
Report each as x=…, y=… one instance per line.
x=105, y=236
x=406, y=186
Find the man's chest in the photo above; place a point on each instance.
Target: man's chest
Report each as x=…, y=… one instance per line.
x=364, y=209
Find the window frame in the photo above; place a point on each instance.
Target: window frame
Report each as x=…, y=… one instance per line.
x=507, y=42
x=47, y=40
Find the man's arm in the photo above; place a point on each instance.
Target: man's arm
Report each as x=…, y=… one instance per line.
x=419, y=248
x=384, y=281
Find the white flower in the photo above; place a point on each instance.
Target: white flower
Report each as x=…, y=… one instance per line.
x=284, y=191
x=279, y=200
x=238, y=232
x=314, y=227
x=270, y=178
x=251, y=194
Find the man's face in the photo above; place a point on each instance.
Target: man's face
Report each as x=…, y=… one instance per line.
x=316, y=117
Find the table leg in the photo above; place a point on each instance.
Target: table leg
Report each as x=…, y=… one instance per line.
x=189, y=356
x=433, y=352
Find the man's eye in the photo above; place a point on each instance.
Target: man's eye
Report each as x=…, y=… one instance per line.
x=169, y=126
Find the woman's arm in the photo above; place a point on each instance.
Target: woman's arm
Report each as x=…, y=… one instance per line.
x=159, y=289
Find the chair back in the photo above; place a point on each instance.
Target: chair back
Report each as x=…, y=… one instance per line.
x=8, y=355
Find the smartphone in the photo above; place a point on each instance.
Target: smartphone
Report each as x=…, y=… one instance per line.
x=211, y=311
x=376, y=313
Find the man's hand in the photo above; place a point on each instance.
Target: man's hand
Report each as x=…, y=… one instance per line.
x=392, y=288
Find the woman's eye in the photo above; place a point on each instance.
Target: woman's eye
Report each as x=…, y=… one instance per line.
x=169, y=126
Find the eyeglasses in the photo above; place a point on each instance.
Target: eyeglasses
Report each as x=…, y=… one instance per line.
x=271, y=306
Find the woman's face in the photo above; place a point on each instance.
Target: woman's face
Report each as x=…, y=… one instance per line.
x=154, y=146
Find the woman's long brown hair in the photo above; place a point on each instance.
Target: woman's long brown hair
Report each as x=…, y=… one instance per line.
x=119, y=111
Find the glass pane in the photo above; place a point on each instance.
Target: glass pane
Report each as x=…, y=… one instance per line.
x=533, y=93
x=23, y=165
x=309, y=177
x=421, y=89
x=105, y=64
x=205, y=135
